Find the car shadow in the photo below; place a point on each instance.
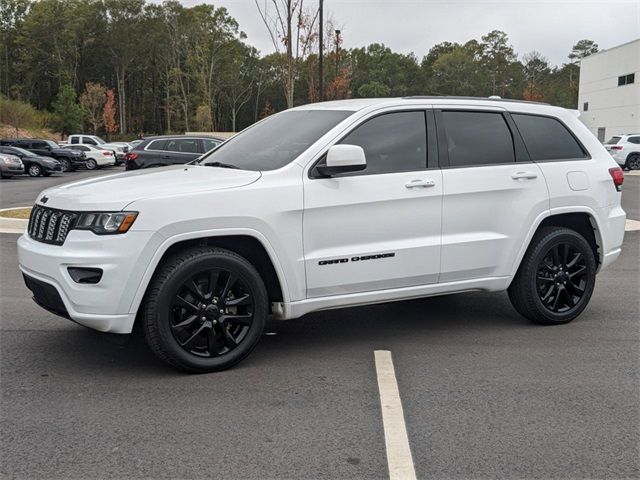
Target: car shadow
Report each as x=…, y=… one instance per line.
x=373, y=325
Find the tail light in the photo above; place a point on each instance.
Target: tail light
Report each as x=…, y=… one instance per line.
x=616, y=147
x=106, y=152
x=618, y=177
x=131, y=156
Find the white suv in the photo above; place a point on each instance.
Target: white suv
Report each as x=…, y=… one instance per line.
x=332, y=205
x=625, y=150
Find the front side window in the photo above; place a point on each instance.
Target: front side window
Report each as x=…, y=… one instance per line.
x=547, y=139
x=88, y=141
x=477, y=138
x=277, y=140
x=209, y=144
x=393, y=142
x=635, y=140
x=39, y=145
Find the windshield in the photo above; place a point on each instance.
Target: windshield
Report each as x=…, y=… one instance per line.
x=275, y=141
x=613, y=141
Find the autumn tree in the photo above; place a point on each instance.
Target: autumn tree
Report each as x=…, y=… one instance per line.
x=109, y=114
x=536, y=70
x=92, y=102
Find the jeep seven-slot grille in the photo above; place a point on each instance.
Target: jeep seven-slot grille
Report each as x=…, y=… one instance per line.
x=49, y=225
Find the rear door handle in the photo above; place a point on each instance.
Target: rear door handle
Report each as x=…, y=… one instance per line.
x=419, y=183
x=165, y=156
x=524, y=175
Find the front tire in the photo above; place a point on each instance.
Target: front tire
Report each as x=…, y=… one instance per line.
x=34, y=170
x=556, y=277
x=205, y=310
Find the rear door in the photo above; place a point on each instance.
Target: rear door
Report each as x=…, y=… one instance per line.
x=378, y=228
x=181, y=150
x=490, y=200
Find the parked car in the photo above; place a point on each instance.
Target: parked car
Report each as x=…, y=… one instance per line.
x=69, y=159
x=34, y=165
x=169, y=150
x=10, y=165
x=325, y=206
x=96, y=157
x=119, y=148
x=625, y=150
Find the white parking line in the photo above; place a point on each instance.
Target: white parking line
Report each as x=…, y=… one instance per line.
x=396, y=441
x=632, y=225
x=633, y=173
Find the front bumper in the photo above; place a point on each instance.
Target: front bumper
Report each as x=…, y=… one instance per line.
x=52, y=168
x=11, y=169
x=106, y=306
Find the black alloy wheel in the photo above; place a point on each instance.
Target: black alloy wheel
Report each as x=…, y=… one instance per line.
x=562, y=278
x=211, y=312
x=633, y=162
x=556, y=277
x=205, y=309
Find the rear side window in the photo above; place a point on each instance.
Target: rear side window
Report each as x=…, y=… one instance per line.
x=75, y=140
x=393, y=142
x=613, y=141
x=477, y=138
x=183, y=145
x=547, y=139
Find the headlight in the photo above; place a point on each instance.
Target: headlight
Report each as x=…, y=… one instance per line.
x=10, y=161
x=105, y=223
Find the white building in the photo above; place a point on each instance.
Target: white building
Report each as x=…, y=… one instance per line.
x=609, y=94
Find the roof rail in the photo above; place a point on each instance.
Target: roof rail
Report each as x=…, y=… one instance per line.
x=493, y=98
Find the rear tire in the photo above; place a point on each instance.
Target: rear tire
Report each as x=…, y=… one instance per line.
x=66, y=165
x=91, y=164
x=205, y=310
x=556, y=277
x=633, y=162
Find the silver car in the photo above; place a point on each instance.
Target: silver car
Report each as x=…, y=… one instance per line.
x=10, y=165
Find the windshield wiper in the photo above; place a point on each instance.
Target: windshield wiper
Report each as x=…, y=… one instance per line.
x=221, y=165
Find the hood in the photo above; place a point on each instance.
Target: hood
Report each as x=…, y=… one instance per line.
x=115, y=192
x=66, y=152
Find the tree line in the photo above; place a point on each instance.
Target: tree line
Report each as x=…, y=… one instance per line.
x=133, y=67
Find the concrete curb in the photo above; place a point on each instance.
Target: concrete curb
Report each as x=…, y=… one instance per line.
x=12, y=225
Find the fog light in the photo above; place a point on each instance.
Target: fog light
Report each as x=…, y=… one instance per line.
x=85, y=275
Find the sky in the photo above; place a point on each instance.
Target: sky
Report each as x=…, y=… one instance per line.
x=550, y=27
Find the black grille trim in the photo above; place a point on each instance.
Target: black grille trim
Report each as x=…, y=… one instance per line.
x=50, y=225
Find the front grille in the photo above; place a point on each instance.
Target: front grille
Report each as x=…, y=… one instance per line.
x=49, y=225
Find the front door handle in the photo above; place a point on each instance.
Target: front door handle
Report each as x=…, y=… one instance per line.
x=420, y=183
x=524, y=175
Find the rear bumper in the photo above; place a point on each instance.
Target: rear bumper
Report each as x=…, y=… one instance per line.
x=612, y=234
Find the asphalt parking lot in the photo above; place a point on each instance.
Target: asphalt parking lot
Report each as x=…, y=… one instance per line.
x=485, y=393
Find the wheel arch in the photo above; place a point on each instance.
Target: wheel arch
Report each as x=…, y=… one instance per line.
x=251, y=245
x=582, y=220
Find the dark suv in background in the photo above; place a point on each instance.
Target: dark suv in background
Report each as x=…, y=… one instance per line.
x=69, y=159
x=169, y=150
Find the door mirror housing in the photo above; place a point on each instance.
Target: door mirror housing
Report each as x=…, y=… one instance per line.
x=342, y=159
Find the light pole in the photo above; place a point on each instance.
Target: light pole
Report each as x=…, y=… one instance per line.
x=337, y=51
x=321, y=79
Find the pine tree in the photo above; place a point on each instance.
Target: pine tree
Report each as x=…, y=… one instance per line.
x=67, y=113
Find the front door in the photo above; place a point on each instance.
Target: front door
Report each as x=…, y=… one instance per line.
x=378, y=228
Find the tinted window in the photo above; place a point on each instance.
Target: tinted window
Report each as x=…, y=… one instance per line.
x=394, y=142
x=613, y=141
x=634, y=140
x=277, y=140
x=547, y=139
x=75, y=140
x=156, y=145
x=39, y=144
x=210, y=144
x=477, y=138
x=88, y=141
x=183, y=145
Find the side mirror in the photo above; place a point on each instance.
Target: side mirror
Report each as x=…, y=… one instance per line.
x=341, y=159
